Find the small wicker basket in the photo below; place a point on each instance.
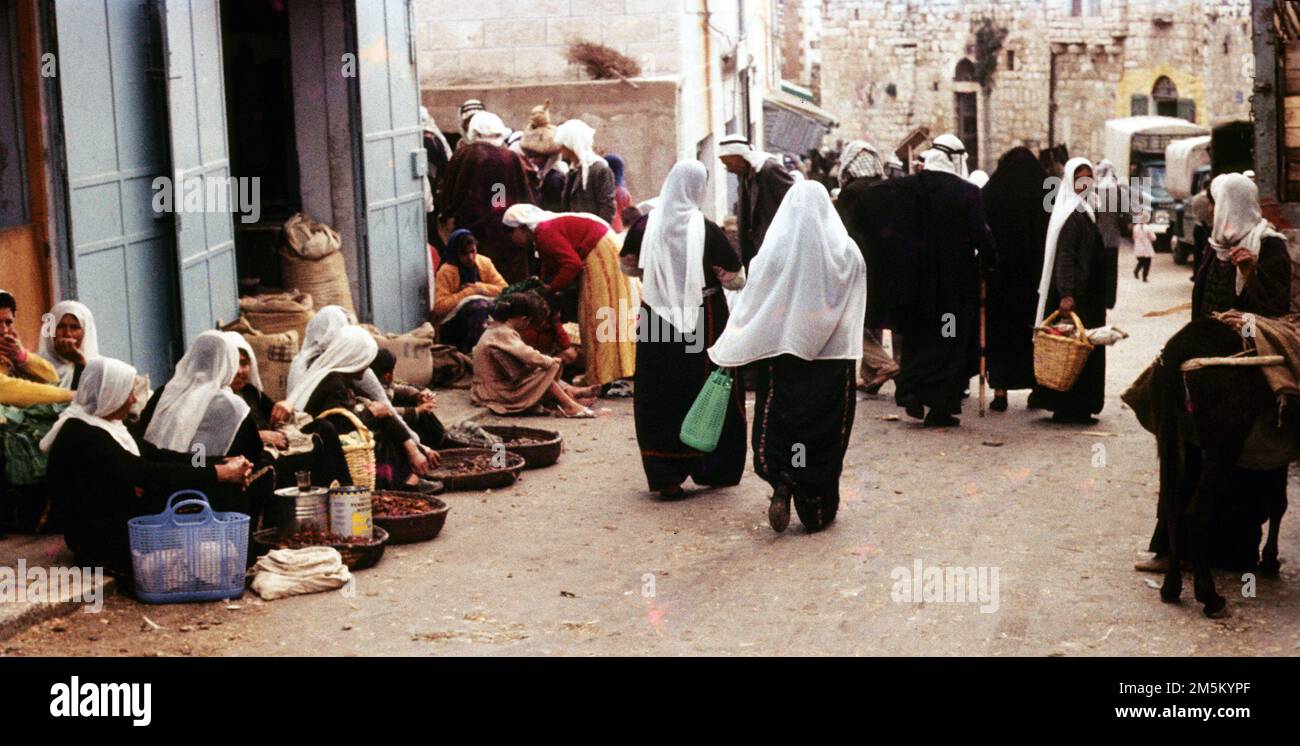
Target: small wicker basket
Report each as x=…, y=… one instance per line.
x=1058, y=360
x=358, y=449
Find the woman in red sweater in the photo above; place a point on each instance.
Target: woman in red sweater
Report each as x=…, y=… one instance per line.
x=578, y=250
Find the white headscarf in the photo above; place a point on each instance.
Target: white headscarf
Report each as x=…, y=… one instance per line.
x=89, y=342
x=321, y=330
x=202, y=377
x=242, y=345
x=578, y=136
x=352, y=351
x=431, y=127
x=979, y=179
x=1066, y=203
x=105, y=385
x=739, y=145
x=1238, y=221
x=672, y=251
x=807, y=289
x=946, y=154
x=486, y=127
x=524, y=215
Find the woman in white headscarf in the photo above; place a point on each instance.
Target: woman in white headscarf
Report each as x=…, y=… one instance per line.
x=684, y=261
x=798, y=325
x=70, y=341
x=331, y=382
x=590, y=185
x=1074, y=281
x=487, y=127
x=197, y=416
x=95, y=469
x=1250, y=268
x=322, y=330
x=579, y=257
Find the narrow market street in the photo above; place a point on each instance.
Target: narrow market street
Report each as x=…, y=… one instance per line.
x=579, y=559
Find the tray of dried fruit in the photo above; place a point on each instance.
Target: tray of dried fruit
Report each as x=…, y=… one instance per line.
x=476, y=469
x=358, y=553
x=408, y=517
x=538, y=447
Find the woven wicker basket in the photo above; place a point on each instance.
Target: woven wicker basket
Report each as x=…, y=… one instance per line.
x=1058, y=360
x=358, y=449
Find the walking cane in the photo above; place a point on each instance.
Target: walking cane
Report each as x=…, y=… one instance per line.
x=984, y=356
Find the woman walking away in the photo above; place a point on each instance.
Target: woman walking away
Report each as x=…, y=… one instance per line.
x=1013, y=204
x=684, y=260
x=1143, y=246
x=578, y=253
x=590, y=186
x=71, y=343
x=798, y=324
x=512, y=378
x=464, y=290
x=95, y=470
x=1074, y=280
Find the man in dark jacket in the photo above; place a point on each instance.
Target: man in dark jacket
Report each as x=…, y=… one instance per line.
x=763, y=184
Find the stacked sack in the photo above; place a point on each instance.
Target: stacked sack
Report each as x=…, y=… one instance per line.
x=274, y=352
x=311, y=262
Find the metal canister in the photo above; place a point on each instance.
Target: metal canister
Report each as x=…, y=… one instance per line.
x=293, y=509
x=350, y=512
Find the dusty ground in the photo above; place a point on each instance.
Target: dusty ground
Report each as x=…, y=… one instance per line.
x=579, y=560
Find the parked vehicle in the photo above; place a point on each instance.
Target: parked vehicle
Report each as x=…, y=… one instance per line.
x=1229, y=148
x=1136, y=145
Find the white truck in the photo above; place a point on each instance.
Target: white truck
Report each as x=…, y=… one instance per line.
x=1136, y=145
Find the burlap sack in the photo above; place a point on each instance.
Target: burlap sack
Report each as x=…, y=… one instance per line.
x=325, y=280
x=310, y=239
x=274, y=353
x=451, y=367
x=413, y=350
x=273, y=313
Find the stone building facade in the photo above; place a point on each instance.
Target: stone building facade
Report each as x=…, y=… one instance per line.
x=706, y=65
x=1041, y=73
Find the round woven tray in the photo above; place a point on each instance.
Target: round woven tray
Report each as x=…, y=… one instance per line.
x=485, y=480
x=536, y=455
x=409, y=529
x=355, y=557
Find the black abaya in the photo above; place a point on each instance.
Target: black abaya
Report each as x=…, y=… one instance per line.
x=669, y=375
x=803, y=419
x=1013, y=203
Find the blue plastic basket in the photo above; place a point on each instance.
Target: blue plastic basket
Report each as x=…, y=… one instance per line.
x=189, y=557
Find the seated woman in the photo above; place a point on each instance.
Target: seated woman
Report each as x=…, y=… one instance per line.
x=297, y=443
x=512, y=378
x=71, y=341
x=414, y=405
x=196, y=417
x=25, y=379
x=329, y=383
x=545, y=331
x=464, y=288
x=323, y=329
x=96, y=472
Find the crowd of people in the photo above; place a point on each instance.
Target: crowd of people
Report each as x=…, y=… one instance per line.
x=535, y=229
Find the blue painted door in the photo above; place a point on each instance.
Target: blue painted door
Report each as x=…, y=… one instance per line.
x=392, y=164
x=119, y=250
x=200, y=160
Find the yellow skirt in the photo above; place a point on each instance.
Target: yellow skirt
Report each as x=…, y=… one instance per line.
x=606, y=316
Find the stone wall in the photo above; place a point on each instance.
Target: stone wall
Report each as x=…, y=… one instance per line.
x=888, y=66
x=469, y=41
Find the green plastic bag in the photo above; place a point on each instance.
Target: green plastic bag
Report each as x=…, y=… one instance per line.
x=702, y=427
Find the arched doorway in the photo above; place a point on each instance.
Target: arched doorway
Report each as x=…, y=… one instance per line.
x=1165, y=96
x=966, y=110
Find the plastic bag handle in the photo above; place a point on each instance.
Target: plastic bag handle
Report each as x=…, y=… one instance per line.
x=203, y=517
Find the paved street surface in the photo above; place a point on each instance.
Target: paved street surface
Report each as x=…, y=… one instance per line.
x=579, y=560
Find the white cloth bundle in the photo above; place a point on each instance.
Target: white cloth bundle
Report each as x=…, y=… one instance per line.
x=281, y=573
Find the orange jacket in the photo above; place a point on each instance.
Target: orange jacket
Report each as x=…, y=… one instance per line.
x=448, y=292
